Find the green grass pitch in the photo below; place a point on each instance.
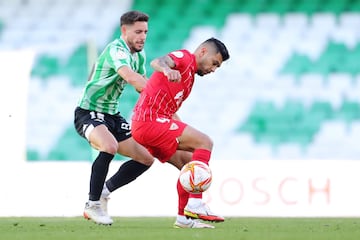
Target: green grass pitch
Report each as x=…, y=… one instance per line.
x=159, y=228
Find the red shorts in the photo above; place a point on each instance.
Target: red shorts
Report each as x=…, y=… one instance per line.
x=159, y=137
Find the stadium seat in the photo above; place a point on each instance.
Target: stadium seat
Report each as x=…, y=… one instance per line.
x=333, y=6
x=295, y=21
x=324, y=22
x=267, y=21
x=252, y=7
x=308, y=7
x=280, y=7
x=339, y=82
x=349, y=112
x=349, y=20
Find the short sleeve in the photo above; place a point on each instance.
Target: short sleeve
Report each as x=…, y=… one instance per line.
x=179, y=57
x=118, y=57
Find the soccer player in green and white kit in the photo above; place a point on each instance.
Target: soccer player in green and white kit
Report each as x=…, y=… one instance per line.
x=97, y=117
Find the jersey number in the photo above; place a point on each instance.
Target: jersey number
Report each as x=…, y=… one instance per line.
x=98, y=116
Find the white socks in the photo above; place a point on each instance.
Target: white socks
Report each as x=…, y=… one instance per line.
x=194, y=202
x=105, y=191
x=92, y=203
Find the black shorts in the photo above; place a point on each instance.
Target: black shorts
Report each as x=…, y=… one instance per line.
x=86, y=120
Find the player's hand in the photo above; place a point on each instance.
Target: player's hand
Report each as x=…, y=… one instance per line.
x=173, y=75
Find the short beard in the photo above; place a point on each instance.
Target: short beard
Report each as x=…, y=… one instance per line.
x=137, y=50
x=200, y=73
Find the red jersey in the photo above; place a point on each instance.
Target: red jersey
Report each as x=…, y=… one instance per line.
x=162, y=98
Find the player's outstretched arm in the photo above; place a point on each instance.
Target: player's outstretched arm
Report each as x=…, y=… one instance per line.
x=165, y=65
x=135, y=79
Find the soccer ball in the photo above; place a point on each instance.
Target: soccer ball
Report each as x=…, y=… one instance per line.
x=195, y=177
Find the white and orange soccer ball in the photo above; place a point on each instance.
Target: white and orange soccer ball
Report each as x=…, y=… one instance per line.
x=195, y=177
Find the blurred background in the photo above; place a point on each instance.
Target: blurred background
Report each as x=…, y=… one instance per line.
x=290, y=91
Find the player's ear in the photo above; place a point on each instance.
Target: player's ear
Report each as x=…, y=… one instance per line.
x=203, y=51
x=123, y=29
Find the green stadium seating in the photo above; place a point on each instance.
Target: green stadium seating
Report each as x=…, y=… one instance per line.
x=1, y=26
x=284, y=116
x=354, y=6
x=334, y=6
x=297, y=65
x=252, y=7
x=349, y=111
x=32, y=155
x=323, y=110
x=281, y=7
x=76, y=67
x=80, y=149
x=308, y=7
x=293, y=123
x=335, y=58
x=46, y=66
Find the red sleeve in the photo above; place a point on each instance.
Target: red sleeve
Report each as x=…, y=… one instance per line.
x=180, y=58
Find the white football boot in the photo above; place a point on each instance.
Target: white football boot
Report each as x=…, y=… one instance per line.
x=203, y=212
x=190, y=223
x=93, y=211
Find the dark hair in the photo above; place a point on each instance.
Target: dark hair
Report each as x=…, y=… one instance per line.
x=219, y=47
x=133, y=16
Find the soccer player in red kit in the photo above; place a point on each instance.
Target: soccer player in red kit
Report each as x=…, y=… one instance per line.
x=156, y=125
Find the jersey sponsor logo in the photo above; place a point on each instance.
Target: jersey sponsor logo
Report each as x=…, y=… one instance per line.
x=121, y=54
x=173, y=126
x=178, y=54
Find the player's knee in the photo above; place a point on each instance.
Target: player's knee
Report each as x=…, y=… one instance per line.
x=148, y=161
x=206, y=142
x=109, y=148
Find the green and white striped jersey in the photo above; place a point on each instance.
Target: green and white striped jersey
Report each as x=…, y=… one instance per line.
x=102, y=91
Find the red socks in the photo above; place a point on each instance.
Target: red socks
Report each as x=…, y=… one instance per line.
x=183, y=198
x=202, y=155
